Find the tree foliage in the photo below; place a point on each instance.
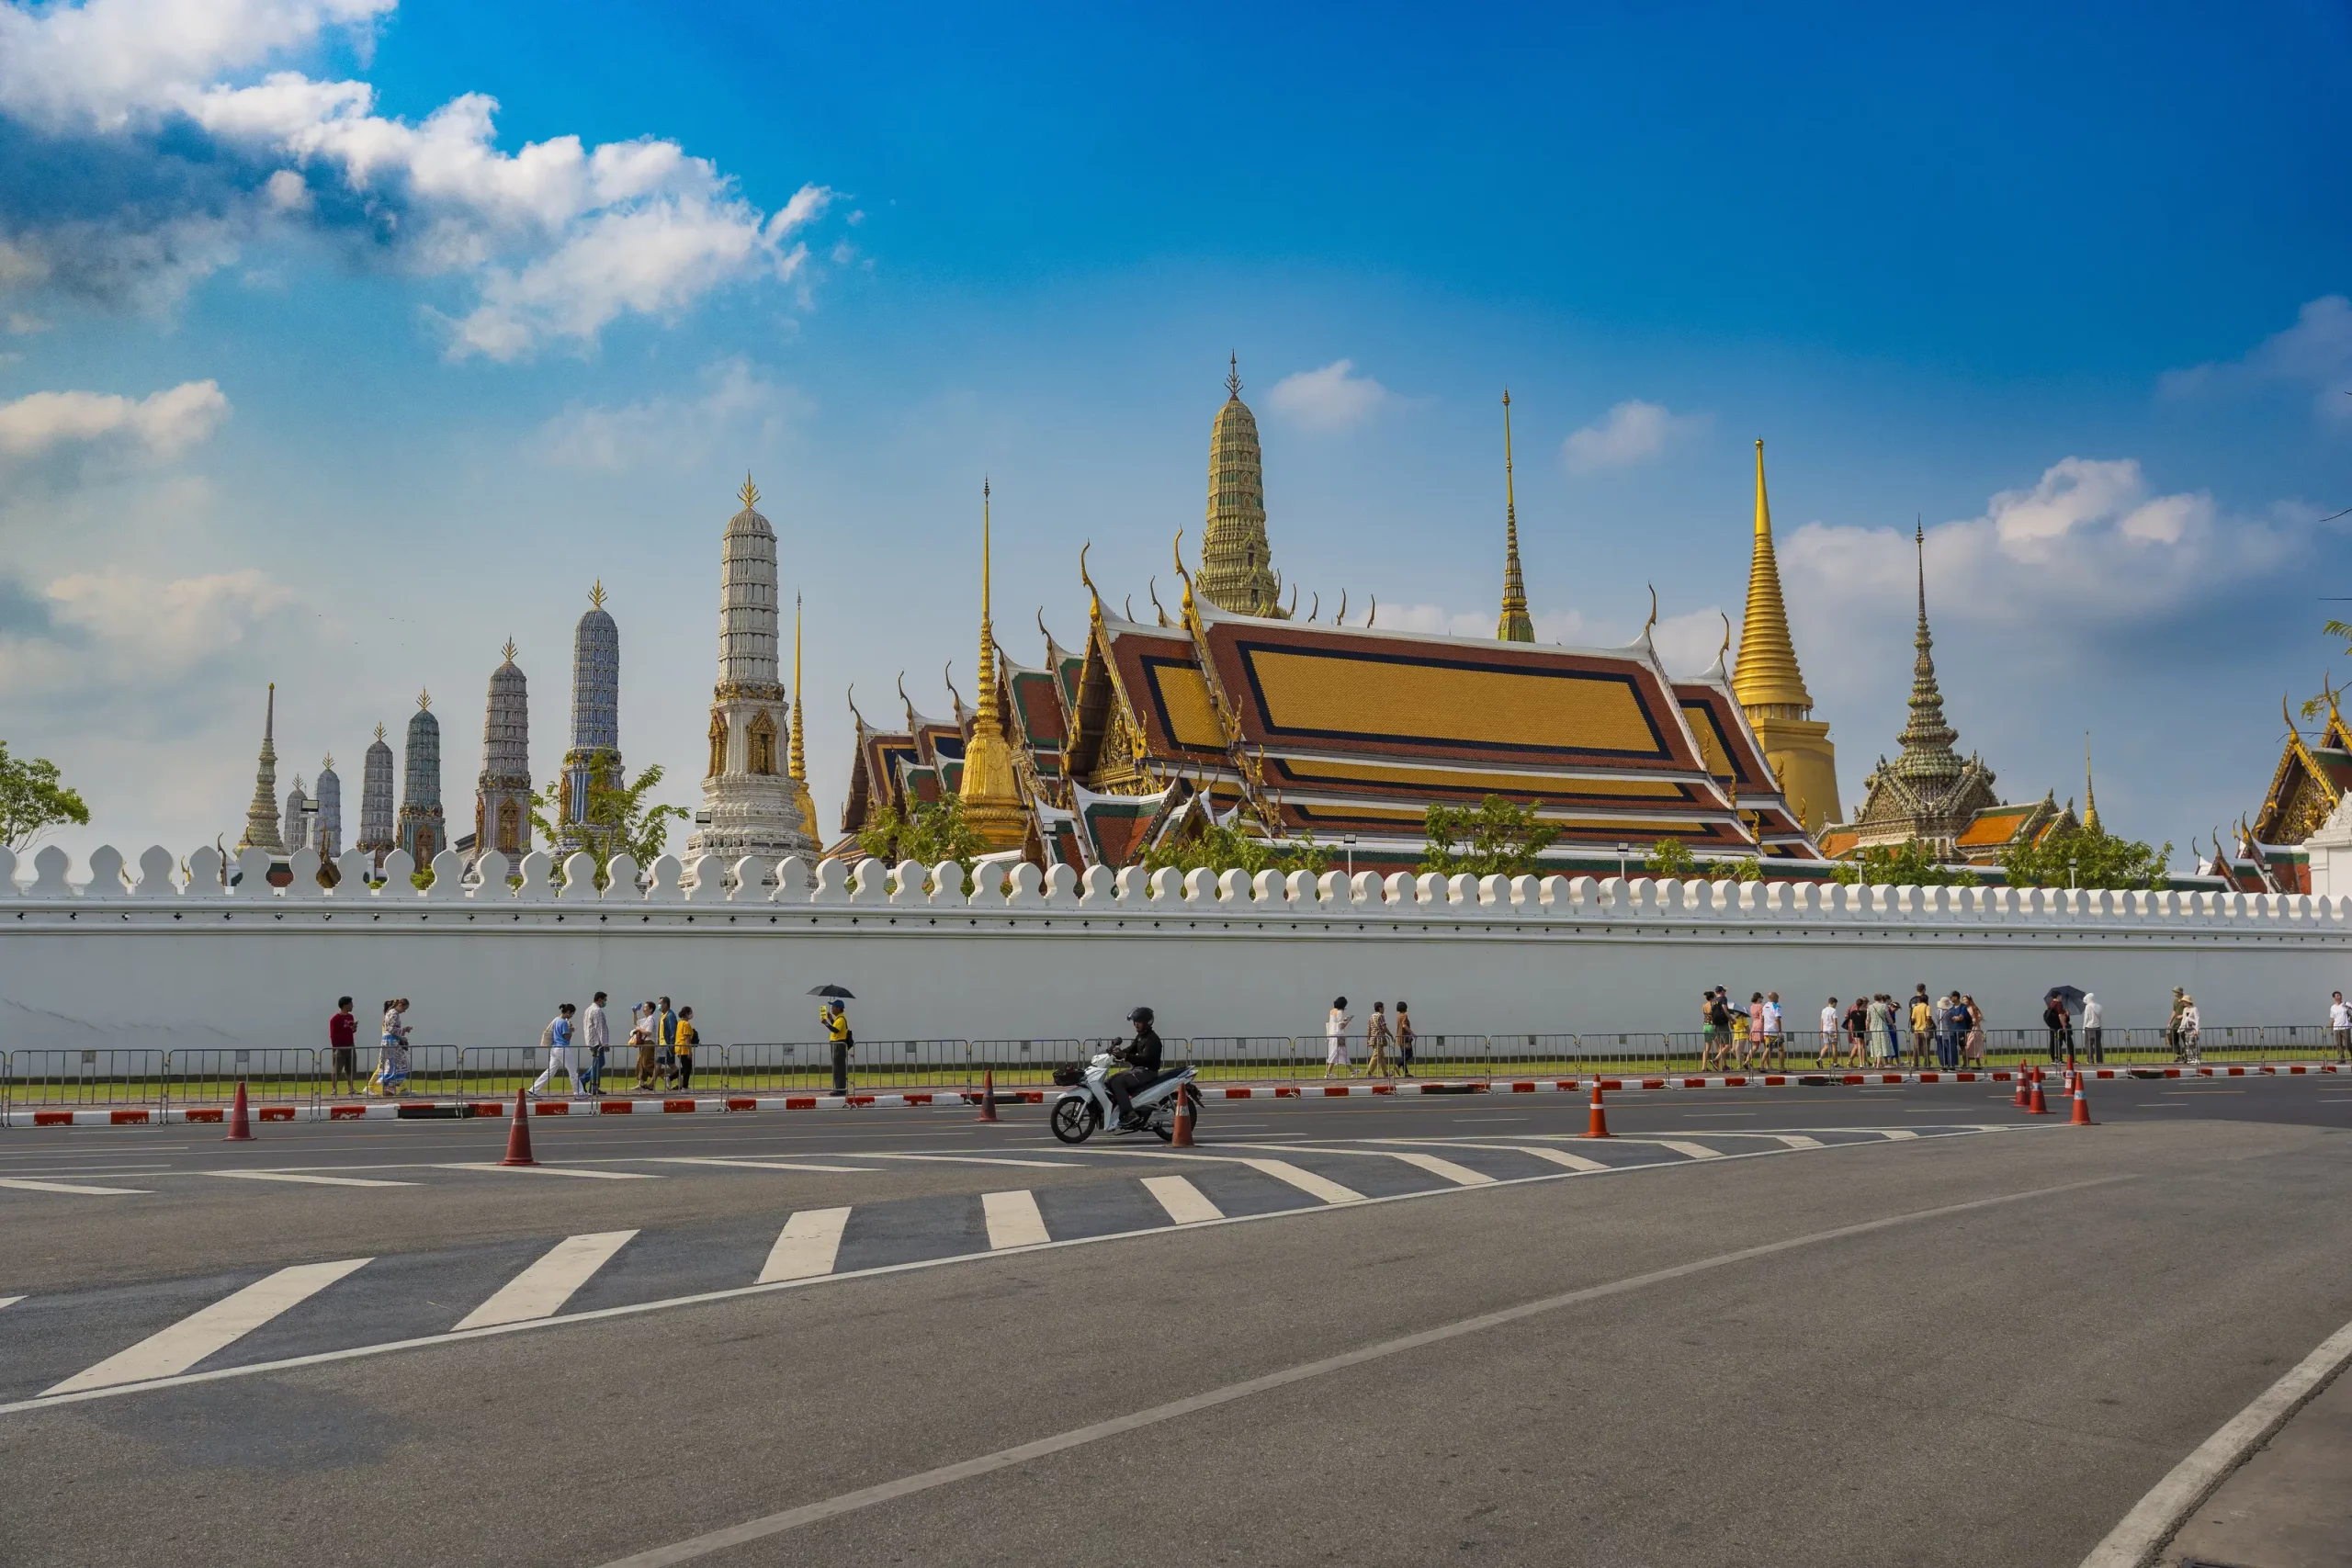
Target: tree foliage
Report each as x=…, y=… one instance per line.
x=2081, y=857
x=935, y=831
x=1496, y=838
x=33, y=799
x=1221, y=847
x=1910, y=864
x=619, y=819
x=1670, y=857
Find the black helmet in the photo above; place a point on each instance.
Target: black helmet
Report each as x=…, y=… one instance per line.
x=1140, y=1015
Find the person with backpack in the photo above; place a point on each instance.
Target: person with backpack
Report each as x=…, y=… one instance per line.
x=640, y=1034
x=556, y=1038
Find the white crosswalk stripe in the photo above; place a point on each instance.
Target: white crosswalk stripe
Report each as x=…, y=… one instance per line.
x=25, y=1184
x=1683, y=1147
x=1897, y=1135
x=807, y=1246
x=541, y=1289
x=1186, y=1204
x=1013, y=1219
x=1557, y=1157
x=1460, y=1175
x=305, y=1179
x=1796, y=1141
x=9, y=1301
x=210, y=1330
x=1306, y=1181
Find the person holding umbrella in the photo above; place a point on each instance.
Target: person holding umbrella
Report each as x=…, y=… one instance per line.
x=835, y=1017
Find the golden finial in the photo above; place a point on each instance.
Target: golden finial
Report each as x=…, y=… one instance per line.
x=327, y=766
x=508, y=650
x=379, y=732
x=1233, y=374
x=423, y=699
x=1179, y=556
x=597, y=595
x=798, y=768
x=750, y=495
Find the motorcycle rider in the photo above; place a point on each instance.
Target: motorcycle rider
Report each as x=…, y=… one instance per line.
x=1142, y=1057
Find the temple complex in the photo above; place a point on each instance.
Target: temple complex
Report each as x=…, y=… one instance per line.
x=377, y=827
x=261, y=816
x=421, y=829
x=747, y=799
x=503, y=793
x=2273, y=852
x=594, y=758
x=327, y=830
x=1341, y=734
x=295, y=829
x=1772, y=688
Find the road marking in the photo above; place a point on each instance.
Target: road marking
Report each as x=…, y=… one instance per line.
x=980, y=1159
x=1306, y=1181
x=807, y=1246
x=1897, y=1135
x=541, y=1289
x=1186, y=1204
x=1118, y=1426
x=1460, y=1175
x=1795, y=1140
x=557, y=1171
x=1686, y=1149
x=9, y=1301
x=23, y=1185
x=2157, y=1515
x=1557, y=1157
x=210, y=1329
x=307, y=1181
x=1013, y=1220
x=763, y=1165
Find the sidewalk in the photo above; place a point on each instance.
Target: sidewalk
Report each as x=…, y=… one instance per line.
x=2287, y=1505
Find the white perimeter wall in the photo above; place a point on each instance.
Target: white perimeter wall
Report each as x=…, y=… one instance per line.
x=86, y=962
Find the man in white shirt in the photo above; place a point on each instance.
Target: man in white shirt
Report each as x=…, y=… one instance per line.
x=1335, y=1039
x=2093, y=1016
x=597, y=1035
x=1773, y=1043
x=2339, y=1024
x=1829, y=1033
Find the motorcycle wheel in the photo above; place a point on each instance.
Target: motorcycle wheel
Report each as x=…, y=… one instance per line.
x=1163, y=1125
x=1073, y=1121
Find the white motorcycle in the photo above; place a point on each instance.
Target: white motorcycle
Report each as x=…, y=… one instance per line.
x=1084, y=1105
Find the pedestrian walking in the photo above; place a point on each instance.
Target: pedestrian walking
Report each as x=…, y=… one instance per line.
x=597, y=1038
x=2093, y=1027
x=1829, y=1033
x=1976, y=1046
x=342, y=1042
x=665, y=1046
x=2192, y=1030
x=1335, y=1039
x=683, y=1048
x=1775, y=1045
x=1707, y=1028
x=640, y=1034
x=1951, y=1030
x=2339, y=1025
x=1404, y=1038
x=1857, y=1030
x=391, y=1065
x=561, y=1057
x=1736, y=1053
x=2060, y=1026
x=1921, y=1014
x=1376, y=1039
x=1881, y=1028
x=2172, y=1022
x=835, y=1017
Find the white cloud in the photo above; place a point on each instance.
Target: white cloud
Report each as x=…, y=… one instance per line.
x=2316, y=352
x=1332, y=399
x=120, y=634
x=557, y=239
x=166, y=423
x=1635, y=432
x=739, y=405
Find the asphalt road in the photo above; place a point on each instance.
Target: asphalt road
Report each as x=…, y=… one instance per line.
x=1694, y=1355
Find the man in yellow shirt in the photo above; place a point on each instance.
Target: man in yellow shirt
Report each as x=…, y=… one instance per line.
x=1923, y=1026
x=835, y=1017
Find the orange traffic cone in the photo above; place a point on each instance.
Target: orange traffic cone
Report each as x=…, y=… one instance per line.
x=1597, y=1125
x=1181, y=1137
x=2019, y=1099
x=519, y=1135
x=2082, y=1117
x=2036, y=1106
x=241, y=1127
x=988, y=1095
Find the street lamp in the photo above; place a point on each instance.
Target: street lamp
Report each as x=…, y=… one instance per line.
x=2070, y=874
x=1623, y=852
x=1350, y=839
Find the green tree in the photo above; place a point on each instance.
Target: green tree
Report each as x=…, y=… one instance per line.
x=619, y=819
x=32, y=801
x=1909, y=863
x=935, y=831
x=1496, y=838
x=1222, y=847
x=1670, y=857
x=2077, y=856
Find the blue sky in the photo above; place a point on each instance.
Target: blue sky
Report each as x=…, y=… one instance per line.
x=317, y=368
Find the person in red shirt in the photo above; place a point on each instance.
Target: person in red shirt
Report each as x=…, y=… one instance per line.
x=343, y=1035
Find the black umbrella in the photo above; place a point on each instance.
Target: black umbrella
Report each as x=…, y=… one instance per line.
x=2071, y=995
x=833, y=991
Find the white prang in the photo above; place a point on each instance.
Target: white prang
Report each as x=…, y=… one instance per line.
x=748, y=807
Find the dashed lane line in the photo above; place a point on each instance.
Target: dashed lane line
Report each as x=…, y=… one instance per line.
x=805, y=1248
x=541, y=1289
x=210, y=1330
x=24, y=1184
x=762, y=1164
x=1185, y=1203
x=556, y=1170
x=981, y=1159
x=1013, y=1220
x=304, y=1178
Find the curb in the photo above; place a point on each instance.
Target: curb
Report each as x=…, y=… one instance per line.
x=444, y=1110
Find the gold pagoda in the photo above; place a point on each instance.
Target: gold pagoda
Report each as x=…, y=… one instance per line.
x=1772, y=688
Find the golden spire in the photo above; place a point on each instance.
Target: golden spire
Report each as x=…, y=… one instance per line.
x=2090, y=792
x=379, y=732
x=423, y=698
x=1515, y=625
x=597, y=595
x=508, y=650
x=1766, y=675
x=796, y=765
x=991, y=794
x=327, y=766
x=750, y=495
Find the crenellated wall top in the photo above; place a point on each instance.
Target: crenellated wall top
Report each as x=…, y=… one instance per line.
x=52, y=884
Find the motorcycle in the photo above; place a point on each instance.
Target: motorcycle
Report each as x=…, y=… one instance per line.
x=1084, y=1105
